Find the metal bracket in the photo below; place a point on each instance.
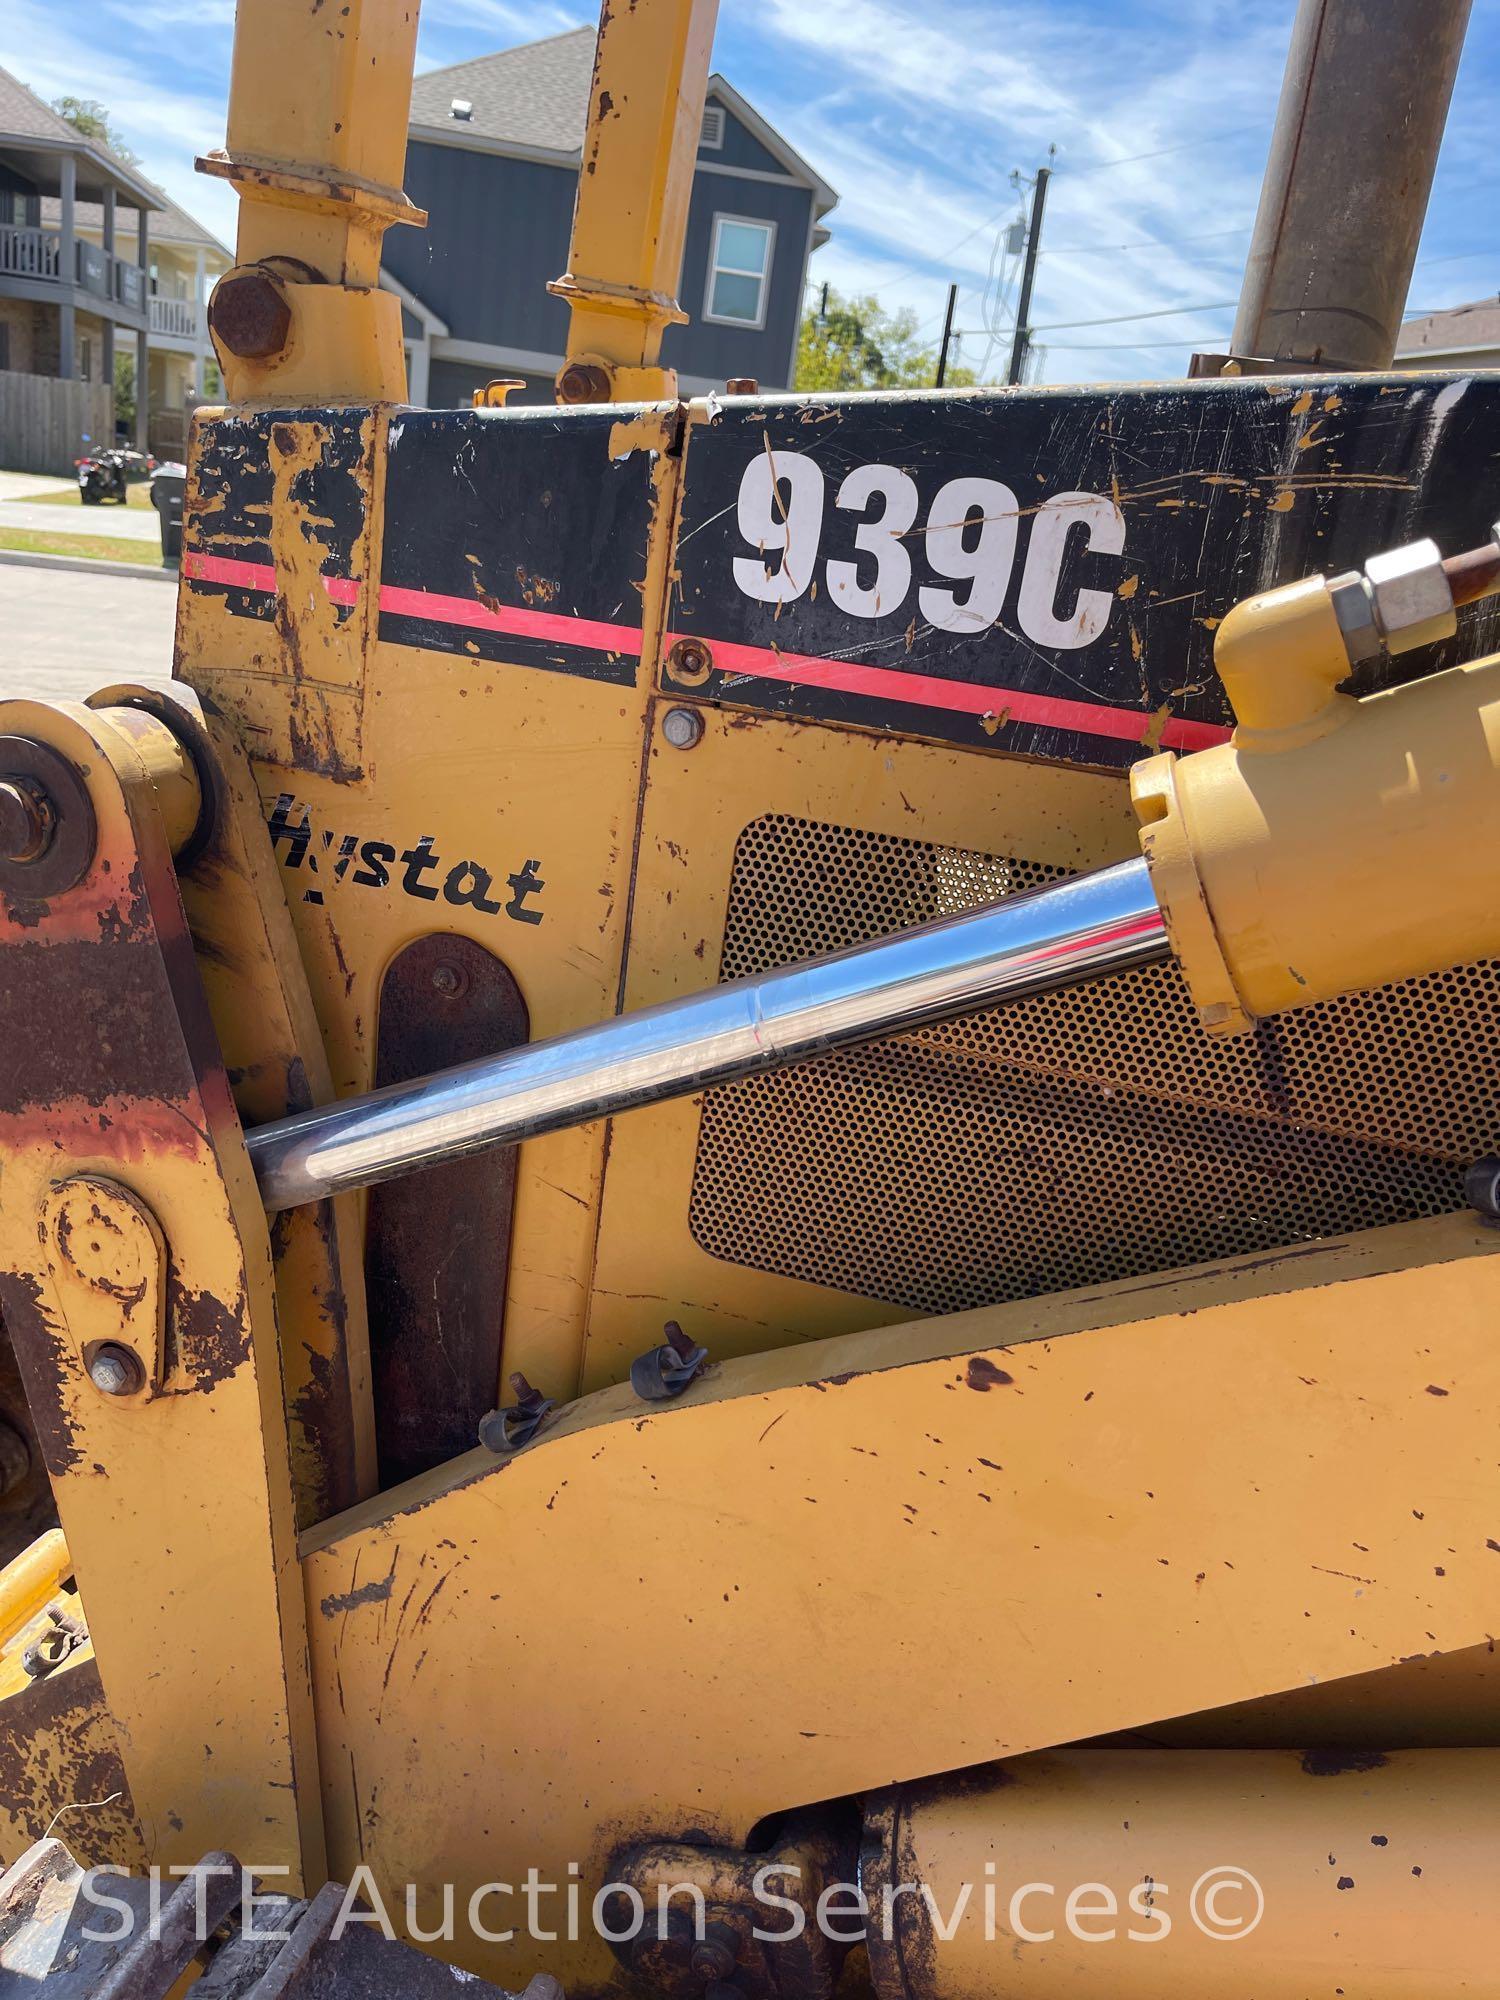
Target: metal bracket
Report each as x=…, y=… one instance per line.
x=108, y=1262
x=508, y=1428
x=664, y=1372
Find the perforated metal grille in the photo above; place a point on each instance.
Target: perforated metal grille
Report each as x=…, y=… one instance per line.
x=1074, y=1138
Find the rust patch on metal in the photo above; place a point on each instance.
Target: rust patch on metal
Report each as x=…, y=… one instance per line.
x=1339, y=1763
x=57, y=1749
x=438, y=1244
x=982, y=1374
x=211, y=1339
x=376, y=1591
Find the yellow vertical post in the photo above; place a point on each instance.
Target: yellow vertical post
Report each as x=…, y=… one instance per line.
x=320, y=97
x=634, y=185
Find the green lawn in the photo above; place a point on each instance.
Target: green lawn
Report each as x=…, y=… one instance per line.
x=101, y=548
x=137, y=495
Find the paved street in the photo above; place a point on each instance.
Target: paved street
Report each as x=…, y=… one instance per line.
x=64, y=633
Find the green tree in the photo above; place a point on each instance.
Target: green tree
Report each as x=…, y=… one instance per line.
x=88, y=116
x=125, y=391
x=854, y=343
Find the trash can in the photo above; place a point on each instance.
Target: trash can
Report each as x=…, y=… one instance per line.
x=168, y=484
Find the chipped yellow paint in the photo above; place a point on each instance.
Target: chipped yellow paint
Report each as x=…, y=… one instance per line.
x=1128, y=587
x=646, y=430
x=967, y=1523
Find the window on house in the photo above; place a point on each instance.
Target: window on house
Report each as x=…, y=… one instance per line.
x=713, y=127
x=739, y=271
x=85, y=359
x=4, y=346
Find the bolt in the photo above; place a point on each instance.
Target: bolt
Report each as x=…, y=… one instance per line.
x=249, y=315
x=448, y=980
x=115, y=1369
x=26, y=820
x=681, y=1344
x=712, y=1961
x=583, y=382
x=526, y=1397
x=682, y=727
x=690, y=662
x=714, y=1955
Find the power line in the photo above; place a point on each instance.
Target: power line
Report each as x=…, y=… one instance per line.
x=1183, y=146
x=1129, y=346
x=1149, y=243
x=1120, y=319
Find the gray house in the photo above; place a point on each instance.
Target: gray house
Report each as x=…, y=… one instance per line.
x=67, y=296
x=494, y=156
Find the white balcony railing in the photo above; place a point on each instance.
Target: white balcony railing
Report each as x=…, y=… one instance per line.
x=29, y=253
x=181, y=318
x=37, y=254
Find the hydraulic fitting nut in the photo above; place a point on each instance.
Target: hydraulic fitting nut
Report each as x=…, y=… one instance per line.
x=1402, y=601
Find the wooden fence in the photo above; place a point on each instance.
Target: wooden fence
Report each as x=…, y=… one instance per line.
x=46, y=423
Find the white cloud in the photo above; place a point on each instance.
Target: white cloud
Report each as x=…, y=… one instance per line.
x=917, y=111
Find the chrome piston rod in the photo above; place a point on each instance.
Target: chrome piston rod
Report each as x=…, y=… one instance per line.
x=1061, y=935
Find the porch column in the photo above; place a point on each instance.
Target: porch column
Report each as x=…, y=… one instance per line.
x=143, y=338
x=107, y=344
x=200, y=324
x=67, y=357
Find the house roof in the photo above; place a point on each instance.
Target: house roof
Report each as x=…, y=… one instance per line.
x=537, y=97
x=1476, y=325
x=169, y=223
x=25, y=121
x=24, y=116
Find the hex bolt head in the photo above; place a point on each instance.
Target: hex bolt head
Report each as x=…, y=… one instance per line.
x=448, y=980
x=683, y=728
x=26, y=821
x=115, y=1370
x=249, y=315
x=583, y=382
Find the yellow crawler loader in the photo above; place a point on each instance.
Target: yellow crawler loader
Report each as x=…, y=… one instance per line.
x=748, y=1166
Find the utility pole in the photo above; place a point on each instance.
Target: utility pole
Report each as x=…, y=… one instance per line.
x=942, y=367
x=1028, y=275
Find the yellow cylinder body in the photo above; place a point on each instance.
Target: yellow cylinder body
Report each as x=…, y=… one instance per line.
x=1190, y=1875
x=1329, y=856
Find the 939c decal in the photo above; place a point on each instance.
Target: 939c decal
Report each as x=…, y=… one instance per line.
x=967, y=546
x=1041, y=572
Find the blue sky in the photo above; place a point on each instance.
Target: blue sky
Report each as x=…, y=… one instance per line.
x=917, y=111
